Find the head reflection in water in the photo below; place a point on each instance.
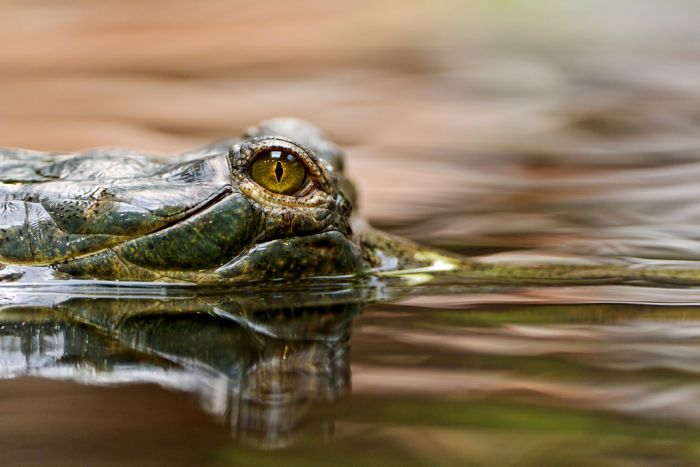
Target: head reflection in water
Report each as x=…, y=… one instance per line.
x=260, y=371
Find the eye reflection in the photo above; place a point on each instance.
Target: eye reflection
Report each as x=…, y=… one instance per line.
x=279, y=171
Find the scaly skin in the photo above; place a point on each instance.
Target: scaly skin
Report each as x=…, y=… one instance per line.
x=198, y=217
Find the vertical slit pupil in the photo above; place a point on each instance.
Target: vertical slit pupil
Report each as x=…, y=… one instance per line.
x=279, y=171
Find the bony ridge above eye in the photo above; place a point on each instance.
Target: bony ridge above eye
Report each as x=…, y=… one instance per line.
x=279, y=171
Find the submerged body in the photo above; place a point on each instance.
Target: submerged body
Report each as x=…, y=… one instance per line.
x=273, y=204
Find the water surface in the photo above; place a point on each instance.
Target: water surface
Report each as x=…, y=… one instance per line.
x=368, y=374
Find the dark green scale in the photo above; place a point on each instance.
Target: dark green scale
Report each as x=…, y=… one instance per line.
x=193, y=243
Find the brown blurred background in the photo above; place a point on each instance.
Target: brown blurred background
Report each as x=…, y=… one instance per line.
x=451, y=110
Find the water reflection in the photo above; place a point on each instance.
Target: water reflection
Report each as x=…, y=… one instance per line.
x=258, y=363
x=430, y=372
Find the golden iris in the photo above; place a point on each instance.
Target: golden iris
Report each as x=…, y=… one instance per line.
x=278, y=171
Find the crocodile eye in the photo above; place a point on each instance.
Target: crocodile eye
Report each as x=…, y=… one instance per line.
x=279, y=171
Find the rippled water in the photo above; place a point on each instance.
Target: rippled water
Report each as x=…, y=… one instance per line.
x=380, y=373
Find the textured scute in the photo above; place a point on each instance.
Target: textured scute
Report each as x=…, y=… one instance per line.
x=67, y=207
x=28, y=235
x=329, y=253
x=168, y=193
x=100, y=165
x=81, y=216
x=314, y=255
x=107, y=265
x=202, y=241
x=22, y=165
x=281, y=222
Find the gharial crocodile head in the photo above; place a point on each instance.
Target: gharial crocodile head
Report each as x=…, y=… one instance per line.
x=272, y=204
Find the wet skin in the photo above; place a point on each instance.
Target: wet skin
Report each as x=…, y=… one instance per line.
x=273, y=204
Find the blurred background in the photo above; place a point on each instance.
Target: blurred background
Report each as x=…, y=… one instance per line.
x=451, y=111
x=480, y=126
